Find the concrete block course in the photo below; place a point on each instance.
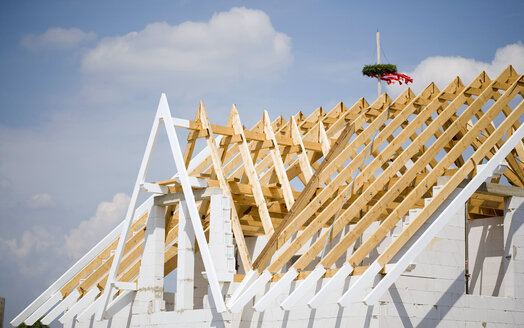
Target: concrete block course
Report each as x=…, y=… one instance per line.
x=430, y=294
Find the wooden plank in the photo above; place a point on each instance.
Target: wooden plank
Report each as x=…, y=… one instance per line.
x=324, y=139
x=217, y=165
x=277, y=163
x=252, y=174
x=303, y=161
x=191, y=140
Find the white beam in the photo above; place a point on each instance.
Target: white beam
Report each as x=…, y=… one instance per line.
x=121, y=285
x=281, y=286
x=61, y=307
x=180, y=123
x=300, y=291
x=258, y=285
x=80, y=305
x=336, y=281
x=193, y=211
x=357, y=291
x=43, y=309
x=249, y=278
x=154, y=188
x=140, y=179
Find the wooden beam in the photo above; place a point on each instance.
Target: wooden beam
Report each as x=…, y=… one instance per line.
x=277, y=163
x=217, y=165
x=252, y=174
x=303, y=160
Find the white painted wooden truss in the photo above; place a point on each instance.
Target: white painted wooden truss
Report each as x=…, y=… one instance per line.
x=51, y=297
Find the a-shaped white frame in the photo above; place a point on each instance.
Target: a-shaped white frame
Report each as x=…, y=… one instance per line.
x=163, y=116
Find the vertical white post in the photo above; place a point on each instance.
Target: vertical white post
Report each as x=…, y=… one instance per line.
x=150, y=293
x=106, y=296
x=378, y=62
x=221, y=237
x=186, y=260
x=191, y=205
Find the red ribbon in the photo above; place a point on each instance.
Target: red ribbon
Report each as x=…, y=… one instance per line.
x=394, y=77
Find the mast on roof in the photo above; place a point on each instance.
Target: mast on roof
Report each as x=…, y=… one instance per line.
x=386, y=72
x=378, y=62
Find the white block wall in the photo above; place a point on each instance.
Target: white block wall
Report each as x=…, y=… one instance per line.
x=431, y=295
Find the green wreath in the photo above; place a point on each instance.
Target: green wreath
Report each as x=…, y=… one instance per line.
x=378, y=69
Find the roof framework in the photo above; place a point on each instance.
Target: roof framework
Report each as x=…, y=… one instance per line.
x=324, y=179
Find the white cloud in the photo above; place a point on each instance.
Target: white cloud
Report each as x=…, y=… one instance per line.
x=31, y=252
x=37, y=238
x=57, y=37
x=40, y=201
x=443, y=70
x=88, y=233
x=240, y=44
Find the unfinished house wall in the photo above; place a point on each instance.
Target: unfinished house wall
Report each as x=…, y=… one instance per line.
x=431, y=294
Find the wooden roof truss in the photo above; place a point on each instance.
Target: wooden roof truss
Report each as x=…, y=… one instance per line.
x=324, y=180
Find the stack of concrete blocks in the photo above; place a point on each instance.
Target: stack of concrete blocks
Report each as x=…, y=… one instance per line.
x=221, y=238
x=150, y=286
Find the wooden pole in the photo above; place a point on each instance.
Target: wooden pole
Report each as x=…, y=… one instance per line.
x=378, y=62
x=2, y=305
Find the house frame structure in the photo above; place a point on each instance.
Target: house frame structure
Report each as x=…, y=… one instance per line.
x=342, y=203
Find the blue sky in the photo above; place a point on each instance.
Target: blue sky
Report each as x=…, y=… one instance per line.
x=80, y=81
